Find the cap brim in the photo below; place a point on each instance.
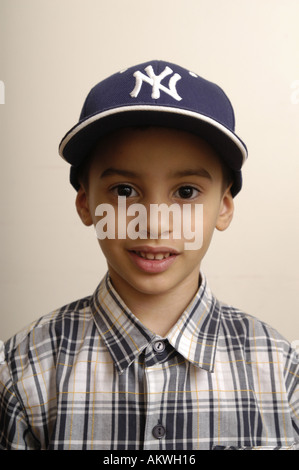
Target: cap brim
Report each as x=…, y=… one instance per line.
x=79, y=142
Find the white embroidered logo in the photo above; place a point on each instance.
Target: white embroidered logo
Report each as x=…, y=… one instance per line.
x=155, y=82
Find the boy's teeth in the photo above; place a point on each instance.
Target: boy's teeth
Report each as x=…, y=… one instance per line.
x=157, y=256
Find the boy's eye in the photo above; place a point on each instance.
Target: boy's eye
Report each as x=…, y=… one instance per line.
x=186, y=192
x=124, y=190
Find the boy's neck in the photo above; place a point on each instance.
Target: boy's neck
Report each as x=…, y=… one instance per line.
x=158, y=313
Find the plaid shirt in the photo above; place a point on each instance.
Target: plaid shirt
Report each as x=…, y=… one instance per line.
x=91, y=376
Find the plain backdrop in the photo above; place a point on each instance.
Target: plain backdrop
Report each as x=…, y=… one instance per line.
x=53, y=51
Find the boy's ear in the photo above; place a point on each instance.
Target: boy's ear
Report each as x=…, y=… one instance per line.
x=83, y=207
x=226, y=211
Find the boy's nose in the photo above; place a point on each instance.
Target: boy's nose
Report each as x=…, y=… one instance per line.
x=159, y=222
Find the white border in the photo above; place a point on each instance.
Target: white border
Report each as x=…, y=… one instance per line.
x=168, y=109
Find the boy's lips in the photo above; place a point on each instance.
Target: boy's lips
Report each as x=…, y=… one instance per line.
x=153, y=259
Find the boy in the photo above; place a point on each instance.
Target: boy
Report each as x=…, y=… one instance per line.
x=152, y=360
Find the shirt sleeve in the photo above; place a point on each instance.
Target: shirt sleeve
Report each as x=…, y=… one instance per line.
x=292, y=384
x=15, y=432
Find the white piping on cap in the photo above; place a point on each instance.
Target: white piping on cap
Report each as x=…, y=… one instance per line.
x=168, y=109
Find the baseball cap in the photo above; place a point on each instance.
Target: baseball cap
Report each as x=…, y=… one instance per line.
x=156, y=93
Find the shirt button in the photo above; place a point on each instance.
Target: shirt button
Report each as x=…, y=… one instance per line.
x=159, y=346
x=159, y=431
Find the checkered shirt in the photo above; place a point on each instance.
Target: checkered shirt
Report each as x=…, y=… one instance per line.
x=91, y=376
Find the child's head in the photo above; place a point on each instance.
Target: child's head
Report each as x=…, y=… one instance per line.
x=155, y=134
x=152, y=168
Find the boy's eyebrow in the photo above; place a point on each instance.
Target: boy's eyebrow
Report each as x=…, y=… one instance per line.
x=117, y=171
x=177, y=174
x=193, y=172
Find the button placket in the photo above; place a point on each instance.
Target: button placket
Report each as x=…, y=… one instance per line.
x=155, y=430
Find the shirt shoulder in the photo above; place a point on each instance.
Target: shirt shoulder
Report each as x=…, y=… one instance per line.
x=43, y=336
x=29, y=364
x=244, y=325
x=259, y=340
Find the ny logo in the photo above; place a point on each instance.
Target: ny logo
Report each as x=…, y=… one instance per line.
x=155, y=82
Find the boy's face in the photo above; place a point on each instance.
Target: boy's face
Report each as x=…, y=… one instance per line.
x=155, y=166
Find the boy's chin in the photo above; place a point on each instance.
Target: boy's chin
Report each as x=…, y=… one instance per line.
x=147, y=284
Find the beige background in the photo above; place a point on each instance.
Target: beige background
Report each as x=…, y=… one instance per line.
x=54, y=51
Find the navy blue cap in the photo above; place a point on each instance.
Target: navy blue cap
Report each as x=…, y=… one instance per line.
x=156, y=93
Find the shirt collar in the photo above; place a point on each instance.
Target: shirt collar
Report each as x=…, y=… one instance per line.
x=194, y=335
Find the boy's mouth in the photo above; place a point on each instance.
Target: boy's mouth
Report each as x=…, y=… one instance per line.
x=153, y=256
x=153, y=259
